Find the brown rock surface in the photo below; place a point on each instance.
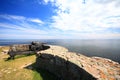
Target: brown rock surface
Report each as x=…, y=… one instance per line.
x=100, y=68
x=60, y=61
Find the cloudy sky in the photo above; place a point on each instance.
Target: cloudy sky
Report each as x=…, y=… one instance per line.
x=59, y=19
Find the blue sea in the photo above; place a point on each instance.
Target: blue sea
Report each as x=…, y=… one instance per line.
x=101, y=48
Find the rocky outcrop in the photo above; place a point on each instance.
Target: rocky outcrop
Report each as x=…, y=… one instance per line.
x=26, y=49
x=75, y=66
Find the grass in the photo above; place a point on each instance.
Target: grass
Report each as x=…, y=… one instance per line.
x=14, y=69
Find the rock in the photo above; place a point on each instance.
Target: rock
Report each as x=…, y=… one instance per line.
x=0, y=75
x=26, y=49
x=16, y=47
x=30, y=67
x=8, y=72
x=75, y=66
x=14, y=70
x=4, y=51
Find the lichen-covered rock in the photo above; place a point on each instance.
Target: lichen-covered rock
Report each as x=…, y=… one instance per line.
x=23, y=47
x=72, y=66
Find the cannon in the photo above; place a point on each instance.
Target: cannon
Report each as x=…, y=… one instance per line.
x=26, y=49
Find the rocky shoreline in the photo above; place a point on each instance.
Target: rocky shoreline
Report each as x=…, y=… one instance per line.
x=99, y=68
x=71, y=65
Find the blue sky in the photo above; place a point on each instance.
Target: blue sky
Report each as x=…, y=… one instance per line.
x=59, y=19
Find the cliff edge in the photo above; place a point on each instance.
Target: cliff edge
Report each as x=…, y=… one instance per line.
x=71, y=65
x=75, y=66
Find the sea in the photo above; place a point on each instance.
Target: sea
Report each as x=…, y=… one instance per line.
x=106, y=48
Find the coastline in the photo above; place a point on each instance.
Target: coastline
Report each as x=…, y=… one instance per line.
x=100, y=68
x=102, y=48
x=66, y=50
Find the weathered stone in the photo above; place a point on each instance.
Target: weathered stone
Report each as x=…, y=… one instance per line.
x=23, y=47
x=73, y=66
x=20, y=49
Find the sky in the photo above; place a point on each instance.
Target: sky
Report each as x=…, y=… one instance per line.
x=59, y=19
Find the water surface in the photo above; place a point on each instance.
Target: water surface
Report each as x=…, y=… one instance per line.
x=101, y=48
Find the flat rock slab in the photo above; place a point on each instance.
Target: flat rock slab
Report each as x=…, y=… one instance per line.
x=100, y=68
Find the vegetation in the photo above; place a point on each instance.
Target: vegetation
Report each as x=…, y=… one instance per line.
x=15, y=69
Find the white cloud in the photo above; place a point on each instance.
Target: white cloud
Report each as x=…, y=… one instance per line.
x=21, y=18
x=25, y=36
x=36, y=20
x=21, y=25
x=89, y=17
x=16, y=17
x=22, y=29
x=11, y=17
x=26, y=30
x=73, y=19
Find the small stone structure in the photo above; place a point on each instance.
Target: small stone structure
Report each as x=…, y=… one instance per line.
x=20, y=49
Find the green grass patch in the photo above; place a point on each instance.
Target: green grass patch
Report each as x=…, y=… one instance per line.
x=14, y=69
x=37, y=76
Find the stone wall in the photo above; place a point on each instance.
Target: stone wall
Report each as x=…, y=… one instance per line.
x=17, y=47
x=26, y=49
x=72, y=66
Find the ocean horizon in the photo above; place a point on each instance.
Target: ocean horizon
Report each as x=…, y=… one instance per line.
x=106, y=48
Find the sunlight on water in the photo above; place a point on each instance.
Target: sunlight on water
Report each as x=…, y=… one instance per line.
x=102, y=48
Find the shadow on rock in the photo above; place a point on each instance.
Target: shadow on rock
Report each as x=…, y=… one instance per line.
x=63, y=69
